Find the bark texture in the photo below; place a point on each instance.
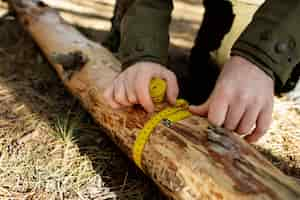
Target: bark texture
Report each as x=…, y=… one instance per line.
x=191, y=160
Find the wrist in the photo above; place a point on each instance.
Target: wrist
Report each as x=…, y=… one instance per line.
x=245, y=60
x=146, y=59
x=246, y=70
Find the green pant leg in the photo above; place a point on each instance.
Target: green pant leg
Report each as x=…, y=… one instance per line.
x=217, y=21
x=112, y=41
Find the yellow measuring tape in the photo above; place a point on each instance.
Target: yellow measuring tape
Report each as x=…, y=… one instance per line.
x=169, y=115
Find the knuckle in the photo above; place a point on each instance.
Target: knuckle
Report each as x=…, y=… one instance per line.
x=244, y=97
x=145, y=69
x=138, y=86
x=132, y=99
x=225, y=93
x=169, y=74
x=260, y=100
x=257, y=101
x=119, y=77
x=129, y=81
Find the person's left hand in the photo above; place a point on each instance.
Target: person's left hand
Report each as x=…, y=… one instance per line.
x=241, y=101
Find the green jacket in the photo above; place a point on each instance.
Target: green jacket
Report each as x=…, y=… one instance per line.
x=271, y=40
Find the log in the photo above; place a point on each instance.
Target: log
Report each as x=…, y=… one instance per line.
x=189, y=160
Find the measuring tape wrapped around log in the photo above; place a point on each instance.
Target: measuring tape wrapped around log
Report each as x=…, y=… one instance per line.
x=169, y=115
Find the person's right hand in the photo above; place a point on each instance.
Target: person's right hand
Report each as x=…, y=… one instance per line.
x=132, y=86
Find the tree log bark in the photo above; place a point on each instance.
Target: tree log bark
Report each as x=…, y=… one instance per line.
x=190, y=160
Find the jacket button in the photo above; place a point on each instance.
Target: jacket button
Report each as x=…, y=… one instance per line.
x=281, y=47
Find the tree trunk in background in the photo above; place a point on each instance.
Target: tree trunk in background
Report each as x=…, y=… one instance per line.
x=189, y=160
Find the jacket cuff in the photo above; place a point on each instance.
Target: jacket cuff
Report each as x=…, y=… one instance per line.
x=141, y=58
x=254, y=56
x=270, y=48
x=143, y=49
x=144, y=32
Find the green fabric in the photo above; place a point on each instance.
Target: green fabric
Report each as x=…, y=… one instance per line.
x=272, y=39
x=145, y=32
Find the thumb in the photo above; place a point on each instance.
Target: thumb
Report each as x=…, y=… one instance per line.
x=201, y=110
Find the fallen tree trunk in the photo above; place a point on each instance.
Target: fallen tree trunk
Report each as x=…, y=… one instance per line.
x=189, y=160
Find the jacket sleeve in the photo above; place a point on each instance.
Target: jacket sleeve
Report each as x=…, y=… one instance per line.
x=145, y=32
x=272, y=39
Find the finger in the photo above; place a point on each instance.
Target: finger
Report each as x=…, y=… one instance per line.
x=248, y=120
x=217, y=111
x=143, y=94
x=172, y=86
x=234, y=115
x=120, y=95
x=201, y=110
x=263, y=123
x=130, y=92
x=108, y=96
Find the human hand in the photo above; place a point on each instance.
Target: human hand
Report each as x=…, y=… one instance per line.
x=241, y=101
x=132, y=86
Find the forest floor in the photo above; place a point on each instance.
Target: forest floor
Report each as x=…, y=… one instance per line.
x=49, y=146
